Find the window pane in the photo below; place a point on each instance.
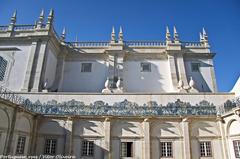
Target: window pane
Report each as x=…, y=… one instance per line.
x=86, y=67
x=205, y=149
x=87, y=148
x=145, y=67
x=236, y=145
x=195, y=67
x=166, y=149
x=50, y=146
x=20, y=145
x=3, y=66
x=126, y=149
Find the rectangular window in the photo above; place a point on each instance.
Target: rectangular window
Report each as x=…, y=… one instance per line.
x=236, y=146
x=86, y=67
x=126, y=149
x=145, y=67
x=195, y=67
x=20, y=145
x=87, y=148
x=50, y=146
x=3, y=66
x=166, y=149
x=205, y=149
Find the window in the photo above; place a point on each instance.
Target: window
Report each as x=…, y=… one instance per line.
x=126, y=149
x=166, y=149
x=20, y=145
x=50, y=146
x=205, y=149
x=145, y=67
x=3, y=66
x=195, y=67
x=87, y=148
x=236, y=146
x=86, y=67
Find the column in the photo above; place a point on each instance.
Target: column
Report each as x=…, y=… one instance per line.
x=34, y=135
x=186, y=139
x=214, y=83
x=107, y=138
x=9, y=149
x=223, y=137
x=181, y=69
x=59, y=73
x=69, y=136
x=173, y=71
x=39, y=69
x=29, y=67
x=146, y=148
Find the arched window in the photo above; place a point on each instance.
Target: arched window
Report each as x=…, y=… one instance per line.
x=3, y=66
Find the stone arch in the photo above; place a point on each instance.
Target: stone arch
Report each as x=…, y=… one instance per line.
x=4, y=129
x=23, y=123
x=233, y=127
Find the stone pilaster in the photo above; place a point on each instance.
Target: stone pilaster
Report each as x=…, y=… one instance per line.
x=34, y=135
x=107, y=138
x=9, y=149
x=181, y=69
x=40, y=67
x=173, y=71
x=186, y=138
x=146, y=128
x=59, y=73
x=214, y=83
x=69, y=137
x=28, y=74
x=220, y=122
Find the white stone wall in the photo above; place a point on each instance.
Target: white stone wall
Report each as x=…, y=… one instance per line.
x=76, y=81
x=17, y=65
x=158, y=80
x=51, y=65
x=204, y=78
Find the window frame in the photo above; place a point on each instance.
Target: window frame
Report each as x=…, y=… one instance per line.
x=205, y=150
x=88, y=148
x=20, y=147
x=197, y=64
x=50, y=151
x=83, y=68
x=2, y=77
x=166, y=149
x=236, y=149
x=149, y=66
x=126, y=153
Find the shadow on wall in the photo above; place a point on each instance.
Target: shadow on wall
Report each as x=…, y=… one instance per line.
x=204, y=127
x=61, y=132
x=200, y=82
x=118, y=128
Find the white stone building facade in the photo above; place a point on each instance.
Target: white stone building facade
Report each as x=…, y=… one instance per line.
x=113, y=99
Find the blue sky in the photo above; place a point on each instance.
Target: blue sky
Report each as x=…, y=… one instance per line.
x=145, y=20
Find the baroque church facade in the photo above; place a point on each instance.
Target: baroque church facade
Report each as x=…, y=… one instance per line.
x=115, y=99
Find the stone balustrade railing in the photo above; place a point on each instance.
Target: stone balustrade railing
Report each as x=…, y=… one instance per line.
x=3, y=28
x=192, y=44
x=144, y=43
x=89, y=44
x=24, y=27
